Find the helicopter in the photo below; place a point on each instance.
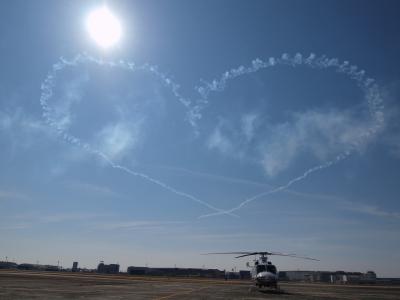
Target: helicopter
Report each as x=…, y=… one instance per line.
x=263, y=272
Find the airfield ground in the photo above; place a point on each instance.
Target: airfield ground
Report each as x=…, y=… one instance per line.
x=45, y=285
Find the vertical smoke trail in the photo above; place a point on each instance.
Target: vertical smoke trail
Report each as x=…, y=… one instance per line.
x=47, y=88
x=368, y=85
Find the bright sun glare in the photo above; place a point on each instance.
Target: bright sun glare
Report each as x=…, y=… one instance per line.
x=104, y=27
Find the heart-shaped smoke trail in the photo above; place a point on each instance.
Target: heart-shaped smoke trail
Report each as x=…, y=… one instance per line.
x=368, y=86
x=51, y=117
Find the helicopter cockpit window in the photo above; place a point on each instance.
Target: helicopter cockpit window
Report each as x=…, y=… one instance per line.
x=261, y=268
x=271, y=268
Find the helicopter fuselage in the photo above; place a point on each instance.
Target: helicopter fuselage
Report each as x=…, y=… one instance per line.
x=267, y=279
x=264, y=273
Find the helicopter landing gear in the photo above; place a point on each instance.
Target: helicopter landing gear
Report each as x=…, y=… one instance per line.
x=274, y=286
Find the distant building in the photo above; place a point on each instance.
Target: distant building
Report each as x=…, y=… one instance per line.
x=108, y=269
x=370, y=275
x=27, y=267
x=296, y=275
x=50, y=268
x=244, y=274
x=232, y=275
x=38, y=267
x=388, y=281
x=8, y=265
x=322, y=276
x=113, y=268
x=178, y=272
x=137, y=270
x=338, y=277
x=75, y=266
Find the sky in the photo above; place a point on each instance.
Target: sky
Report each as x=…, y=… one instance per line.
x=212, y=126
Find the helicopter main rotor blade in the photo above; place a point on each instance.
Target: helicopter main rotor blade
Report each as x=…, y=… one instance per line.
x=247, y=254
x=226, y=253
x=266, y=253
x=242, y=254
x=294, y=255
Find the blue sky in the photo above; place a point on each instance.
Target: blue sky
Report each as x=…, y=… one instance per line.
x=143, y=153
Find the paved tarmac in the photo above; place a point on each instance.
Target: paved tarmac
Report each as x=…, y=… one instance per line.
x=48, y=286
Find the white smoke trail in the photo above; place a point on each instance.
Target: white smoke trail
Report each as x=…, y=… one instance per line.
x=368, y=85
x=282, y=187
x=49, y=84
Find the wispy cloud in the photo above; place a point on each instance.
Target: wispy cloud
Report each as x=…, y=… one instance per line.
x=66, y=217
x=35, y=218
x=16, y=226
x=118, y=139
x=320, y=133
x=21, y=127
x=249, y=125
x=61, y=110
x=217, y=177
x=13, y=195
x=134, y=225
x=234, y=137
x=94, y=189
x=220, y=142
x=371, y=210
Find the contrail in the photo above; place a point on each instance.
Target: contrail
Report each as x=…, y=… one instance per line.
x=368, y=85
x=47, y=88
x=282, y=187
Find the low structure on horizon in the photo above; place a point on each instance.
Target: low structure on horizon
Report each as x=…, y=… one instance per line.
x=37, y=267
x=108, y=269
x=8, y=265
x=334, y=277
x=179, y=272
x=75, y=267
x=340, y=277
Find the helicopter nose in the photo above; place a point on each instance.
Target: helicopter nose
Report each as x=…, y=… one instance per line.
x=263, y=277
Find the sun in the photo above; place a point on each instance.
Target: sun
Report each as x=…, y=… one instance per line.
x=103, y=27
